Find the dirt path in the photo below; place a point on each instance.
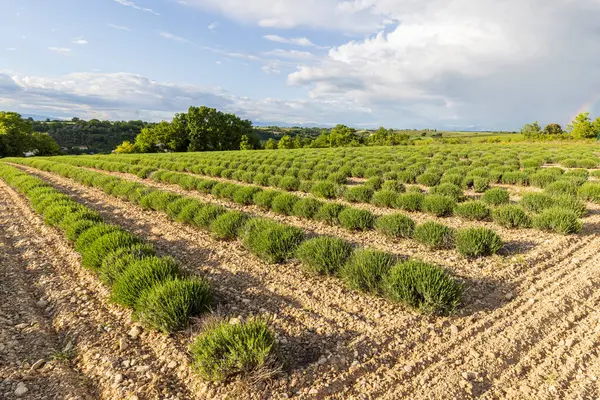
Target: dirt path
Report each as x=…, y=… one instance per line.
x=532, y=331
x=59, y=311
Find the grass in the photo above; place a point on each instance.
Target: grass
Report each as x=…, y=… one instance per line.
x=590, y=191
x=228, y=225
x=93, y=255
x=558, y=220
x=473, y=210
x=411, y=201
x=89, y=236
x=511, y=216
x=244, y=195
x=168, y=306
x=536, y=202
x=423, y=286
x=449, y=190
x=476, y=242
x=224, y=350
x=395, y=226
x=438, y=205
x=356, y=219
x=358, y=194
x=271, y=241
x=324, y=255
x=118, y=260
x=365, y=270
x=141, y=276
x=284, y=203
x=265, y=198
x=496, y=197
x=307, y=207
x=325, y=190
x=205, y=216
x=385, y=198
x=329, y=213
x=434, y=235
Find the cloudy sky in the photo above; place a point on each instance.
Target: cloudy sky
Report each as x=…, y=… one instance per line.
x=448, y=64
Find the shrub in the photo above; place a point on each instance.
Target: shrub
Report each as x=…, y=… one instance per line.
x=224, y=350
x=206, y=186
x=289, y=183
x=55, y=214
x=337, y=177
x=536, y=202
x=227, y=225
x=394, y=186
x=74, y=230
x=515, y=178
x=496, y=196
x=174, y=208
x=425, y=287
x=158, y=200
x=365, y=270
x=475, y=242
x=117, y=261
x=474, y=210
x=189, y=211
x=271, y=241
x=324, y=255
x=168, y=306
x=511, y=216
x=358, y=194
x=374, y=183
x=207, y=214
x=411, y=201
x=542, y=179
x=438, y=205
x=140, y=277
x=428, y=179
x=385, y=198
x=434, y=235
x=264, y=199
x=557, y=220
x=284, y=203
x=561, y=187
x=454, y=179
x=329, y=213
x=326, y=190
x=90, y=235
x=395, y=226
x=307, y=207
x=245, y=195
x=448, y=190
x=92, y=255
x=571, y=203
x=590, y=191
x=356, y=219
x=480, y=185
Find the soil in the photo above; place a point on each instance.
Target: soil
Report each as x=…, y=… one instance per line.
x=529, y=328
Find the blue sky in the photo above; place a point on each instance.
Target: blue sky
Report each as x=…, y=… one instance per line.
x=449, y=64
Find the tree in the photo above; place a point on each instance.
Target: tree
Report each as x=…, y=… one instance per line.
x=286, y=142
x=341, y=135
x=531, y=131
x=271, y=144
x=553, y=129
x=298, y=142
x=43, y=144
x=245, y=143
x=15, y=134
x=597, y=127
x=209, y=129
x=582, y=127
x=126, y=148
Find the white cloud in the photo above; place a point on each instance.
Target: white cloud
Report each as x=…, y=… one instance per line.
x=300, y=41
x=80, y=41
x=11, y=49
x=290, y=54
x=131, y=4
x=213, y=26
x=128, y=96
x=171, y=36
x=119, y=27
x=61, y=50
x=460, y=62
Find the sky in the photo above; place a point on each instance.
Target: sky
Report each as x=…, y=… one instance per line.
x=445, y=64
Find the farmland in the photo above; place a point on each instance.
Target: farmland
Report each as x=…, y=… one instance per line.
x=434, y=271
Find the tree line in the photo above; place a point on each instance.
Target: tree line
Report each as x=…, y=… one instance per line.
x=582, y=127
x=17, y=138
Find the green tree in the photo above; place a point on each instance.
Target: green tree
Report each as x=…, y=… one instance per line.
x=286, y=142
x=582, y=127
x=341, y=135
x=597, y=127
x=271, y=144
x=126, y=148
x=245, y=143
x=15, y=134
x=210, y=129
x=553, y=129
x=531, y=131
x=43, y=144
x=298, y=143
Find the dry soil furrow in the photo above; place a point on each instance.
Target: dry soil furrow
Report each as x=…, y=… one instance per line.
x=319, y=317
x=28, y=340
x=119, y=364
x=379, y=366
x=516, y=346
